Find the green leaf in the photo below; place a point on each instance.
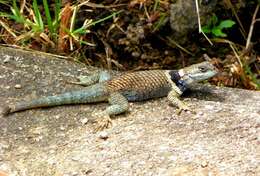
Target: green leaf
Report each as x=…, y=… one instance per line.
x=218, y=32
x=206, y=29
x=226, y=24
x=214, y=20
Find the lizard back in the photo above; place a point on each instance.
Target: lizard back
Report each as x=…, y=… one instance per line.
x=142, y=85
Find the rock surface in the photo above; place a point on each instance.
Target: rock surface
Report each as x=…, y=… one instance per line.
x=184, y=17
x=221, y=139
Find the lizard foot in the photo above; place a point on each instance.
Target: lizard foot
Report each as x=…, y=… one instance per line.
x=102, y=122
x=84, y=80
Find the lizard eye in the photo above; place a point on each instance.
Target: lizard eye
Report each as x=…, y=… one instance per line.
x=203, y=69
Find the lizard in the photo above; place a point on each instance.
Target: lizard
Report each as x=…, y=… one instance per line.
x=119, y=90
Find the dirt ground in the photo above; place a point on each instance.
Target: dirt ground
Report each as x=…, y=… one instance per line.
x=221, y=139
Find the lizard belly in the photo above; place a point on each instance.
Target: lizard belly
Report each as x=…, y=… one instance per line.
x=135, y=95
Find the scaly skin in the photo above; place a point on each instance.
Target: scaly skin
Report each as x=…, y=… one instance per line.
x=135, y=86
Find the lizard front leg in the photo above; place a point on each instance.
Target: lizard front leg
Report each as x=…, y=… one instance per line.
x=118, y=104
x=94, y=78
x=173, y=97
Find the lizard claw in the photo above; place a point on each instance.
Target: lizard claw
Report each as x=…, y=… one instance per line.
x=102, y=122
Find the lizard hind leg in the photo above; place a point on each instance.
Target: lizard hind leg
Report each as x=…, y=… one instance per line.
x=118, y=104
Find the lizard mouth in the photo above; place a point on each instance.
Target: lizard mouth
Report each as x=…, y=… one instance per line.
x=202, y=76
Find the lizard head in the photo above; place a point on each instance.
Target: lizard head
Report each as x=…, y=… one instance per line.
x=197, y=72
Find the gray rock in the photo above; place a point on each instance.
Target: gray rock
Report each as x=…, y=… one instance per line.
x=222, y=139
x=184, y=18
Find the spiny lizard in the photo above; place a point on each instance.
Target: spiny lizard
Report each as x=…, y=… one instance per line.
x=133, y=86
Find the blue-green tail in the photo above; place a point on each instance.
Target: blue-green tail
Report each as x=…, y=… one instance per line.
x=91, y=94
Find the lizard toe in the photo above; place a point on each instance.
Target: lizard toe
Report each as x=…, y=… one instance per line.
x=102, y=122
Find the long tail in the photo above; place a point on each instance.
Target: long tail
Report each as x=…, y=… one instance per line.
x=91, y=94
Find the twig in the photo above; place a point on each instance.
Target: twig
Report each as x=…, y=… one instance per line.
x=198, y=14
x=242, y=29
x=24, y=49
x=248, y=41
x=200, y=30
x=178, y=45
x=7, y=28
x=236, y=54
x=207, y=38
x=206, y=57
x=93, y=5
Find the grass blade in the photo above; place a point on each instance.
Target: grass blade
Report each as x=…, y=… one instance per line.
x=38, y=17
x=57, y=13
x=104, y=19
x=48, y=15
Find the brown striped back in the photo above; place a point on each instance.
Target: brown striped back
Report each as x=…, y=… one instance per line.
x=144, y=83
